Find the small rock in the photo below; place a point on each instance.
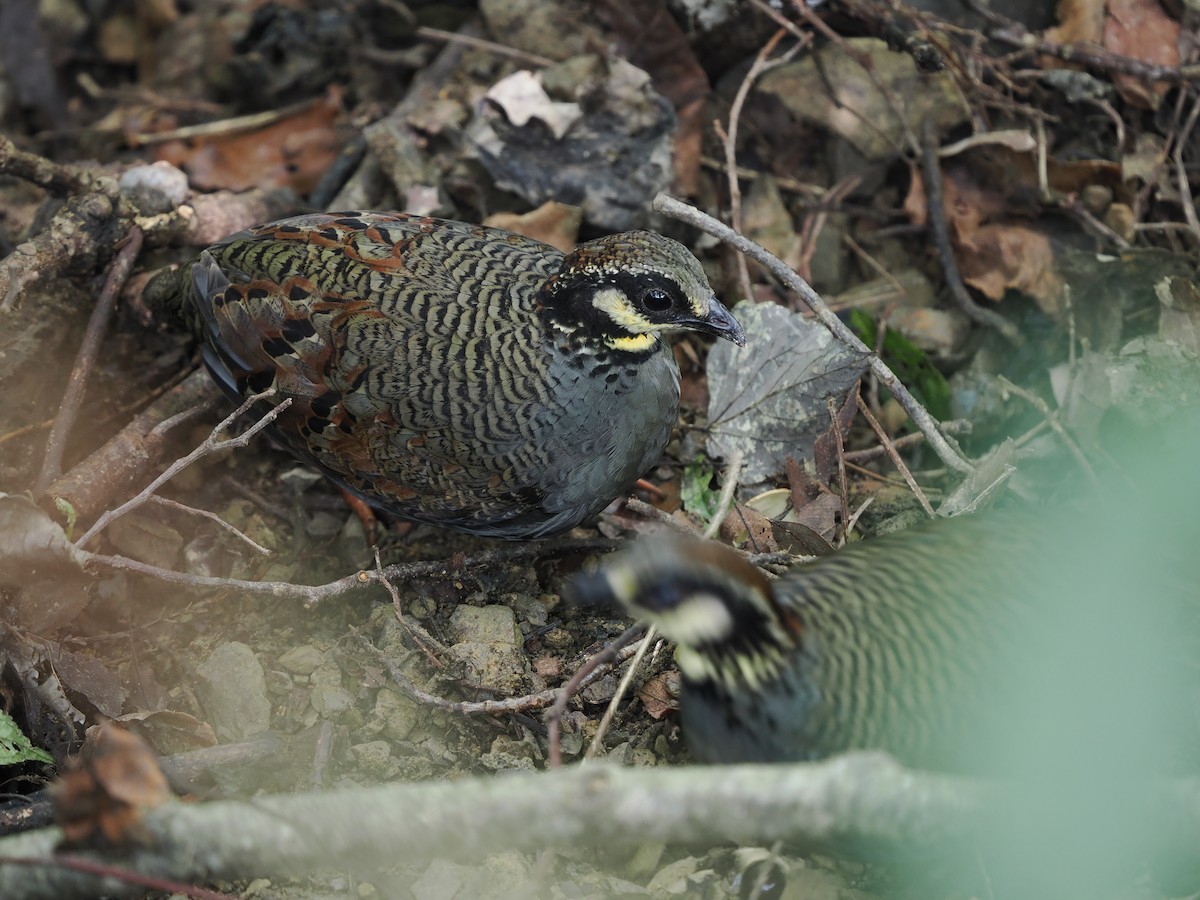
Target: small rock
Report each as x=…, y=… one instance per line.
x=233, y=691
x=373, y=757
x=146, y=539
x=601, y=690
x=498, y=666
x=396, y=717
x=558, y=639
x=493, y=624
x=528, y=609
x=323, y=525
x=279, y=682
x=673, y=878
x=157, y=188
x=441, y=881
x=302, y=660
x=327, y=673
x=329, y=700
x=642, y=758
x=506, y=762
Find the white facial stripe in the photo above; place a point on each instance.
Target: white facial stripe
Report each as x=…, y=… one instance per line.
x=694, y=666
x=700, y=619
x=615, y=304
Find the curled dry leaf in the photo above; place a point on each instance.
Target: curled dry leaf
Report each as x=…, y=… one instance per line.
x=101, y=798
x=657, y=697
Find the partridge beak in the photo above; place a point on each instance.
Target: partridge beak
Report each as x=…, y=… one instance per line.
x=720, y=321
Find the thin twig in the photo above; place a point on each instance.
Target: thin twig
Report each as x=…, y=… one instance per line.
x=60, y=180
x=843, y=483
x=640, y=507
x=224, y=127
x=1185, y=190
x=864, y=62
x=211, y=516
x=936, y=211
x=733, y=472
x=924, y=422
x=89, y=349
x=790, y=185
x=814, y=223
x=895, y=457
x=507, y=706
x=1052, y=420
x=314, y=594
x=724, y=502
x=858, y=514
x=207, y=447
x=609, y=656
x=950, y=426
x=425, y=642
x=762, y=63
x=610, y=711
x=68, y=862
x=436, y=34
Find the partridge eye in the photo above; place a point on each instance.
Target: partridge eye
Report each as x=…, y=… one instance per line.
x=656, y=300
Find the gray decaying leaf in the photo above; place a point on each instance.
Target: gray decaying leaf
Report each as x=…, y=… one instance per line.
x=769, y=398
x=606, y=152
x=40, y=567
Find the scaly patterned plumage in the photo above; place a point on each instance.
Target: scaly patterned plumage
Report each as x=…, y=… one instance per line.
x=451, y=373
x=919, y=643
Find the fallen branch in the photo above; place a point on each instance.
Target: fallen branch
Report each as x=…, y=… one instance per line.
x=863, y=797
x=124, y=462
x=89, y=350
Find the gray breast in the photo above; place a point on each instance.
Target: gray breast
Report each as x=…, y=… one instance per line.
x=614, y=421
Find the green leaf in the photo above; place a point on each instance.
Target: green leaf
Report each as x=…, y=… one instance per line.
x=65, y=507
x=911, y=365
x=15, y=747
x=699, y=497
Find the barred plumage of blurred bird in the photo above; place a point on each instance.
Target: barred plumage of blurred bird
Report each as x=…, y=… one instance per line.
x=938, y=644
x=454, y=374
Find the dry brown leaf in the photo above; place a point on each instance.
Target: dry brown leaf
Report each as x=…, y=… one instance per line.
x=656, y=696
x=999, y=257
x=746, y=524
x=968, y=205
x=100, y=799
x=825, y=453
x=1141, y=29
x=294, y=152
x=667, y=496
x=552, y=223
x=820, y=514
x=1080, y=21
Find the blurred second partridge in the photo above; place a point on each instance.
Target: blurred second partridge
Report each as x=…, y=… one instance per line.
x=1006, y=641
x=454, y=374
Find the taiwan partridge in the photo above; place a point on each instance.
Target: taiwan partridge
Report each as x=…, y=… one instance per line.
x=453, y=374
x=981, y=643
